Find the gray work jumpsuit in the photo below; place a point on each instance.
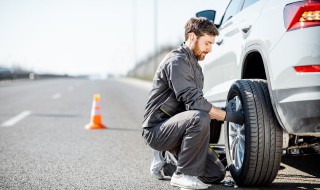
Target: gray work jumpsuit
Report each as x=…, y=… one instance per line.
x=176, y=116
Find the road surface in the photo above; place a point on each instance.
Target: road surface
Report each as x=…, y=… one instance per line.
x=43, y=143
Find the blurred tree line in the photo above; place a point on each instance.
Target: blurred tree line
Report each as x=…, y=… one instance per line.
x=146, y=68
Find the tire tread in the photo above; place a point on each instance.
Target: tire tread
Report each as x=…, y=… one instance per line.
x=263, y=146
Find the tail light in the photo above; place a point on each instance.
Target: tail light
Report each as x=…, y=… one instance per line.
x=307, y=68
x=302, y=14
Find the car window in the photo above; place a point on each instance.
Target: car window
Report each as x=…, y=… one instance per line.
x=248, y=3
x=233, y=8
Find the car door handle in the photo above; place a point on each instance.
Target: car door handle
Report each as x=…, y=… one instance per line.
x=246, y=29
x=219, y=41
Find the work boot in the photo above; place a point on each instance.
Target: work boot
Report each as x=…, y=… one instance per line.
x=187, y=182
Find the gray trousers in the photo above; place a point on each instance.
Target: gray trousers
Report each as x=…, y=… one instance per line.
x=186, y=135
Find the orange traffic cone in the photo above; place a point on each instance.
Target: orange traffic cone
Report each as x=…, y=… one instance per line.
x=96, y=119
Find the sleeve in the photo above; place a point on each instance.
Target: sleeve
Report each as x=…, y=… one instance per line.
x=182, y=81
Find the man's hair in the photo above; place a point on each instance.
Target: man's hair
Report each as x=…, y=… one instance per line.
x=200, y=26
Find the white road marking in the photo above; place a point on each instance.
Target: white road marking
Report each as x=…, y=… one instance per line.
x=56, y=96
x=16, y=119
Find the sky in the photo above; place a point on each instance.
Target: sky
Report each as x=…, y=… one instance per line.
x=98, y=37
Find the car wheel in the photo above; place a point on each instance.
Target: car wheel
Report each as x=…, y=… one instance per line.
x=253, y=150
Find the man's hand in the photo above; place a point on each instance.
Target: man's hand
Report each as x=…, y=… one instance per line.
x=218, y=114
x=233, y=115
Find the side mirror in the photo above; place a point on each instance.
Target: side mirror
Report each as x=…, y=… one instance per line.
x=209, y=14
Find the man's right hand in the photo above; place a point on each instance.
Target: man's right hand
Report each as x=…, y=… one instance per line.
x=233, y=115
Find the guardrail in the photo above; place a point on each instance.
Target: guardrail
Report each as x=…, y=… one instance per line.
x=28, y=76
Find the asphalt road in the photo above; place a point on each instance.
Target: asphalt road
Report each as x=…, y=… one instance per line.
x=43, y=143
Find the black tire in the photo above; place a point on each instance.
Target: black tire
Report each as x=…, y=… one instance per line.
x=263, y=136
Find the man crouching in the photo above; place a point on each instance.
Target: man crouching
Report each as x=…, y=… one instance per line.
x=177, y=116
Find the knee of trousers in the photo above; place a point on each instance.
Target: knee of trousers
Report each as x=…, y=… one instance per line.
x=221, y=175
x=202, y=119
x=221, y=172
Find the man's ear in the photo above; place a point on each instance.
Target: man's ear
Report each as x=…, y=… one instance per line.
x=192, y=36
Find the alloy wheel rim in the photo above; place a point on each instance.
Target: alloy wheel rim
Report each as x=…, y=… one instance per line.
x=236, y=140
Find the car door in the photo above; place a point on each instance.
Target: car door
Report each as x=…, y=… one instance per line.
x=212, y=71
x=215, y=67
x=212, y=65
x=234, y=30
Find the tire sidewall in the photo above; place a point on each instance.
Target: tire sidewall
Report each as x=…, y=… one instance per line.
x=235, y=90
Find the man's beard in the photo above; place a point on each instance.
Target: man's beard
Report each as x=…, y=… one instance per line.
x=198, y=53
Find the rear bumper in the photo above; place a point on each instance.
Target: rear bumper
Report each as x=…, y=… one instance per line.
x=296, y=96
x=299, y=109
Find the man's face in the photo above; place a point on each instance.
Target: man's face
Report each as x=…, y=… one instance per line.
x=202, y=46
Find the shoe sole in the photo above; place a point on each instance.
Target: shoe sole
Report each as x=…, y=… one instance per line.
x=187, y=188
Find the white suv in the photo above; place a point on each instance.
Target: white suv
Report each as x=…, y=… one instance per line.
x=267, y=57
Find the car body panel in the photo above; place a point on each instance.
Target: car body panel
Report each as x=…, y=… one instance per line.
x=295, y=97
x=224, y=58
x=237, y=34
